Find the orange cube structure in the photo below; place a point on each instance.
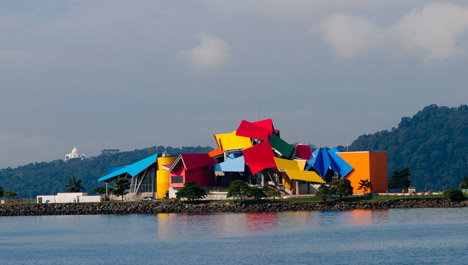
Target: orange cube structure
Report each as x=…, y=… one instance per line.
x=371, y=166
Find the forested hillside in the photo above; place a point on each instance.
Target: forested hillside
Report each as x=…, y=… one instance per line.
x=51, y=177
x=433, y=144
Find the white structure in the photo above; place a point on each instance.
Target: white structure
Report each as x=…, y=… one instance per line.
x=68, y=197
x=74, y=154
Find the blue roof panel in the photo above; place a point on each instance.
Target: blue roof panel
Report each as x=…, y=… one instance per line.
x=231, y=165
x=133, y=169
x=344, y=167
x=113, y=169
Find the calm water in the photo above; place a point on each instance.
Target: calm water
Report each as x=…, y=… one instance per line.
x=405, y=236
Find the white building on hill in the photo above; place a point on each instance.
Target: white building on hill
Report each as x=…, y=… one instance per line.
x=74, y=154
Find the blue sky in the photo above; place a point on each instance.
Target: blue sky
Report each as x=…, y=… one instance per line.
x=133, y=74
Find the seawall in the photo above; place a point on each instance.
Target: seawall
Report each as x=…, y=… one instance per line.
x=214, y=207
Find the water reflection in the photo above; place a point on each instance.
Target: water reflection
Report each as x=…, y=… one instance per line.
x=171, y=226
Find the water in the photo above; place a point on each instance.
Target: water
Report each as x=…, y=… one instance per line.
x=405, y=236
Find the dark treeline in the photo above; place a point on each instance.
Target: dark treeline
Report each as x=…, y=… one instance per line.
x=51, y=177
x=433, y=144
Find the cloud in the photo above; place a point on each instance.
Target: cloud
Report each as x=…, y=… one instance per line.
x=432, y=32
x=212, y=53
x=350, y=36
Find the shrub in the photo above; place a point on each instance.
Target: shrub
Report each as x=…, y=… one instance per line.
x=342, y=188
x=323, y=192
x=454, y=195
x=191, y=191
x=238, y=190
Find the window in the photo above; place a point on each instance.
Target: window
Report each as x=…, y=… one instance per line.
x=177, y=179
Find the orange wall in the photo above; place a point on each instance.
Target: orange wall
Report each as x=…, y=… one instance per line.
x=371, y=166
x=361, y=168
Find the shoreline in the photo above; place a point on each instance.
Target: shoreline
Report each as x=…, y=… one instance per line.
x=217, y=207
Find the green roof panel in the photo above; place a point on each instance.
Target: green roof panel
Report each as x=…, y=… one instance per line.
x=280, y=146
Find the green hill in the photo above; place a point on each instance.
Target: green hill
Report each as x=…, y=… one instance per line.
x=433, y=144
x=50, y=177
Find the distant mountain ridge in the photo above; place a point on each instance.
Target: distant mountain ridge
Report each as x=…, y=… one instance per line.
x=433, y=144
x=50, y=177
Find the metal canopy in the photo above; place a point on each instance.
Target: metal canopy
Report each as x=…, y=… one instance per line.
x=133, y=169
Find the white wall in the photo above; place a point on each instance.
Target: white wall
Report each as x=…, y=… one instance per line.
x=50, y=198
x=68, y=197
x=90, y=198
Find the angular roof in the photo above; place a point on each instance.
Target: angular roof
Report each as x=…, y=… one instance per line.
x=216, y=152
x=251, y=130
x=343, y=167
x=292, y=170
x=193, y=161
x=259, y=157
x=304, y=175
x=303, y=151
x=320, y=160
x=281, y=146
x=133, y=169
x=113, y=169
x=266, y=124
x=231, y=141
x=323, y=159
x=166, y=162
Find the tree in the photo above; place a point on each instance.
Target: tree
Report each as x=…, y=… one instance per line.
x=323, y=192
x=365, y=186
x=238, y=190
x=257, y=193
x=73, y=185
x=342, y=188
x=464, y=184
x=454, y=195
x=191, y=191
x=121, y=187
x=400, y=179
x=10, y=194
x=99, y=190
x=272, y=193
x=1, y=191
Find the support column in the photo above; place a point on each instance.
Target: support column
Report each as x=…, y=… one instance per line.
x=297, y=186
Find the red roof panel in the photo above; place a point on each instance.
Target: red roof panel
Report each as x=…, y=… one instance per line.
x=266, y=124
x=248, y=129
x=259, y=157
x=193, y=161
x=303, y=151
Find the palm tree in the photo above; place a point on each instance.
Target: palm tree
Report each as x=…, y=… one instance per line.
x=365, y=185
x=73, y=185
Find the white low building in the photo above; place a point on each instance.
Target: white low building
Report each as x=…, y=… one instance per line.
x=68, y=197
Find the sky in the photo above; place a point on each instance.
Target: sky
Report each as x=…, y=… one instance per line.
x=133, y=74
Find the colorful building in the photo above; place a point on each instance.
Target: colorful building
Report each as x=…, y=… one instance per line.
x=257, y=154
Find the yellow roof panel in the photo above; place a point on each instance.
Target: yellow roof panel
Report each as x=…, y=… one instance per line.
x=229, y=141
x=282, y=163
x=301, y=164
x=163, y=161
x=304, y=175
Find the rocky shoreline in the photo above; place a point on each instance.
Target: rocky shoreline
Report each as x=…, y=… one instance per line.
x=216, y=207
